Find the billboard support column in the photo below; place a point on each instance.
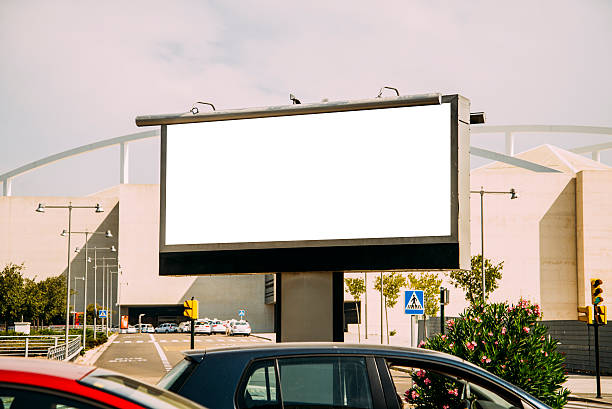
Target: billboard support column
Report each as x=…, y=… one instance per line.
x=312, y=306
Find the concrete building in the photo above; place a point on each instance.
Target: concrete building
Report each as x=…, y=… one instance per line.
x=552, y=240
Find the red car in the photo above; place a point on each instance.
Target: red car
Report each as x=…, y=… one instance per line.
x=27, y=383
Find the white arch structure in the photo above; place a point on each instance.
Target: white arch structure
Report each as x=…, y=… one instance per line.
x=508, y=130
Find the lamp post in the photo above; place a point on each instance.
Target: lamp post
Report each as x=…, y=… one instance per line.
x=107, y=234
x=41, y=209
x=482, y=192
x=74, y=299
x=113, y=249
x=104, y=284
x=110, y=292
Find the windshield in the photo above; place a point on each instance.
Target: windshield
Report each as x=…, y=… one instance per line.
x=136, y=391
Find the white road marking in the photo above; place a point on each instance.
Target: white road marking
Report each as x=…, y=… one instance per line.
x=130, y=359
x=139, y=342
x=127, y=342
x=161, y=353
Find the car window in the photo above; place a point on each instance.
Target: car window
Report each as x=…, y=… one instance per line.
x=325, y=382
x=260, y=389
x=423, y=387
x=27, y=399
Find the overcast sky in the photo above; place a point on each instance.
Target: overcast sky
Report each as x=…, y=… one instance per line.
x=73, y=73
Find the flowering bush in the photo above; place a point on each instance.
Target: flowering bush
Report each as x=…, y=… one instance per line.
x=505, y=340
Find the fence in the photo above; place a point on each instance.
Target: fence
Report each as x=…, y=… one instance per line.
x=49, y=346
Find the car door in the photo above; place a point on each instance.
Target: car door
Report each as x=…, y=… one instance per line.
x=413, y=383
x=317, y=382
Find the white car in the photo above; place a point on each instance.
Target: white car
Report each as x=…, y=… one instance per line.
x=167, y=327
x=240, y=328
x=202, y=327
x=145, y=328
x=131, y=329
x=217, y=327
x=184, y=326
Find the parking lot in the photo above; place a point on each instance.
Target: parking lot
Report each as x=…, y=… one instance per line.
x=149, y=356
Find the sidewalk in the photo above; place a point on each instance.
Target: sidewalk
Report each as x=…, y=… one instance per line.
x=584, y=386
x=91, y=356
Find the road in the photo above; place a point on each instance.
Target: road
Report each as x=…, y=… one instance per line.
x=149, y=356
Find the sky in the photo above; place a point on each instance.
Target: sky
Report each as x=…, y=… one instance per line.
x=77, y=72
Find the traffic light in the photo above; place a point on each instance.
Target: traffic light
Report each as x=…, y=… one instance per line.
x=191, y=309
x=588, y=314
x=596, y=291
x=600, y=315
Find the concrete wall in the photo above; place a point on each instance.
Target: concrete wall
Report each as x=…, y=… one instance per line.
x=594, y=230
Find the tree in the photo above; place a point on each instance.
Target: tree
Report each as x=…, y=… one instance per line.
x=392, y=284
x=54, y=296
x=506, y=340
x=11, y=293
x=471, y=281
x=355, y=287
x=33, y=303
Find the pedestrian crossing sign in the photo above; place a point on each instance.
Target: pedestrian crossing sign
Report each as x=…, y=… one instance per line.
x=414, y=302
x=102, y=314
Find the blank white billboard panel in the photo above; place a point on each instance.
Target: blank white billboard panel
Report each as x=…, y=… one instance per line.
x=366, y=174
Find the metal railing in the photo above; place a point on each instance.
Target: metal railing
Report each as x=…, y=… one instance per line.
x=50, y=346
x=58, y=352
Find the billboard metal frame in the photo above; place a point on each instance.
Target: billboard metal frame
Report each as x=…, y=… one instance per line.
x=368, y=254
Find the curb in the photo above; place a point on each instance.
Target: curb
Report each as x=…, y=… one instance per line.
x=90, y=357
x=604, y=400
x=263, y=337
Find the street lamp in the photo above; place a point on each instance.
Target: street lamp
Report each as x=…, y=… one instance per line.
x=74, y=296
x=513, y=195
x=95, y=249
x=107, y=234
x=104, y=297
x=110, y=285
x=41, y=209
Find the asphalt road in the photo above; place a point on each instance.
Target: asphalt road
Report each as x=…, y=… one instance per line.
x=149, y=356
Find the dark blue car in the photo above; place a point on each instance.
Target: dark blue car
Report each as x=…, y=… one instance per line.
x=339, y=376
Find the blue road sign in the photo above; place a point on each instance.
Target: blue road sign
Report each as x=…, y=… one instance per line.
x=414, y=302
x=241, y=313
x=101, y=313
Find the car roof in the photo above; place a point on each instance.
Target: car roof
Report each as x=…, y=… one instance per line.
x=47, y=367
x=298, y=348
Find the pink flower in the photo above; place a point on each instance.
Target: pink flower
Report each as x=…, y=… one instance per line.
x=502, y=366
x=490, y=334
x=421, y=344
x=496, y=342
x=470, y=345
x=453, y=392
x=526, y=329
x=443, y=337
x=421, y=373
x=483, y=343
x=426, y=381
x=485, y=359
x=445, y=406
x=450, y=323
x=544, y=352
x=521, y=361
x=503, y=330
x=414, y=395
x=451, y=345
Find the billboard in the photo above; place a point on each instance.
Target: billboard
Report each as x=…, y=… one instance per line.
x=367, y=185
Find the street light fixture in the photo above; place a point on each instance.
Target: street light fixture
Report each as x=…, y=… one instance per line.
x=513, y=195
x=95, y=318
x=107, y=234
x=104, y=274
x=41, y=209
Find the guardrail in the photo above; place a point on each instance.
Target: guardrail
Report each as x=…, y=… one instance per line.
x=49, y=346
x=59, y=352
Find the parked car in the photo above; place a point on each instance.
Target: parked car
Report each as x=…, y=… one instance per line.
x=202, y=327
x=41, y=383
x=338, y=375
x=144, y=328
x=184, y=326
x=167, y=327
x=131, y=329
x=240, y=328
x=217, y=327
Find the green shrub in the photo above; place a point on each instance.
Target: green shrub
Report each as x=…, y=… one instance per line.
x=507, y=341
